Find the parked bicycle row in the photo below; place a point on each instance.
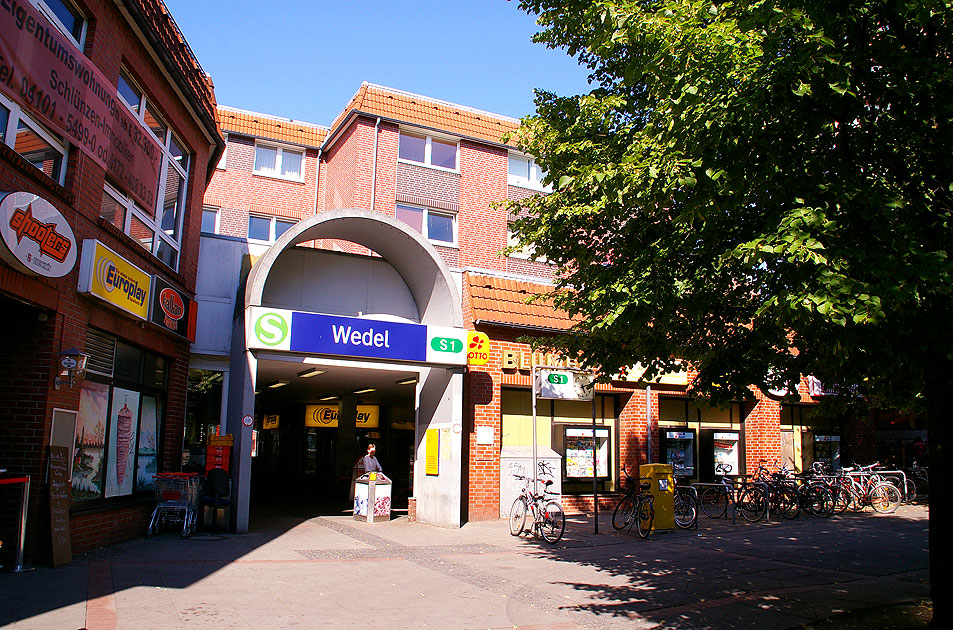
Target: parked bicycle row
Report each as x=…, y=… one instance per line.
x=819, y=491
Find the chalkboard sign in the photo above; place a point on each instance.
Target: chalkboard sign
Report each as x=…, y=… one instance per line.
x=59, y=505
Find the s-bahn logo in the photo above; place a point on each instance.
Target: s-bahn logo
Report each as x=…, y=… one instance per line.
x=36, y=238
x=271, y=328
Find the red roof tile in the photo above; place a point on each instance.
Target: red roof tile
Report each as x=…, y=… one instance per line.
x=503, y=301
x=377, y=100
x=271, y=127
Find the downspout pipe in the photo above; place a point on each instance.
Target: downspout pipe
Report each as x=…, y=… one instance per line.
x=317, y=179
x=377, y=126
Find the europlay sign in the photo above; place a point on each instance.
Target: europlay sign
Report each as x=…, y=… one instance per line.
x=313, y=333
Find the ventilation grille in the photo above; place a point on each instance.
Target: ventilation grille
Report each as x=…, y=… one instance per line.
x=101, y=349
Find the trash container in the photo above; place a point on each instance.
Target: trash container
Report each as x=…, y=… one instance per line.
x=662, y=488
x=372, y=497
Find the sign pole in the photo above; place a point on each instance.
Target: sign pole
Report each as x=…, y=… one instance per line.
x=533, y=372
x=595, y=469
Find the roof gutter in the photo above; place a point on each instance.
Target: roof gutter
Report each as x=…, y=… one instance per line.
x=546, y=329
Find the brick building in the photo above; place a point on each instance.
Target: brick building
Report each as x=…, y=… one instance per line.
x=298, y=218
x=107, y=134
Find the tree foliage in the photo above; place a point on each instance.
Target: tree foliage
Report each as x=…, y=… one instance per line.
x=761, y=188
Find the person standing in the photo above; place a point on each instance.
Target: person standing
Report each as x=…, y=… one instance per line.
x=370, y=460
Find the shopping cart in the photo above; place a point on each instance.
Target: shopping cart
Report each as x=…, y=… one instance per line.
x=176, y=502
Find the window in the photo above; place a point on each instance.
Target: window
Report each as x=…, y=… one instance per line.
x=65, y=17
x=269, y=229
x=38, y=146
x=427, y=150
x=158, y=229
x=437, y=226
x=209, y=220
x=273, y=161
x=116, y=445
x=523, y=171
x=526, y=253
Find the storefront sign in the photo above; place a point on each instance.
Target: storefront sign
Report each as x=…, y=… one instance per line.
x=172, y=309
x=34, y=237
x=314, y=333
x=633, y=374
x=270, y=422
x=564, y=385
x=478, y=348
x=524, y=361
x=43, y=71
x=368, y=416
x=112, y=278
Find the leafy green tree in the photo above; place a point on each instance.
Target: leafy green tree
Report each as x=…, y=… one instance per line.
x=761, y=188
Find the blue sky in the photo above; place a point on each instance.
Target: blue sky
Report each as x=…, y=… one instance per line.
x=305, y=59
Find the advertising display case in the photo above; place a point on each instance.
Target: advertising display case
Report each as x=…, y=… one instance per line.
x=678, y=449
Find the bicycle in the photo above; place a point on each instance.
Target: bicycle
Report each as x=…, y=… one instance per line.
x=549, y=520
x=865, y=487
x=635, y=507
x=686, y=507
x=714, y=500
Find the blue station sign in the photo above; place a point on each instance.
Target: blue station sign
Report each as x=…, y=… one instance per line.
x=335, y=335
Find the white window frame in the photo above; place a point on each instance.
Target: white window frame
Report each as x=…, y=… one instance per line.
x=428, y=151
x=16, y=114
x=525, y=253
x=424, y=223
x=48, y=12
x=530, y=180
x=272, y=224
x=218, y=218
x=173, y=237
x=276, y=174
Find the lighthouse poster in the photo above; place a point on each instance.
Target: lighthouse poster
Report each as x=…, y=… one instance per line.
x=121, y=447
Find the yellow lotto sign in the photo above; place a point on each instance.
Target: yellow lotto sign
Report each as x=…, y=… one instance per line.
x=111, y=278
x=432, y=462
x=368, y=416
x=478, y=348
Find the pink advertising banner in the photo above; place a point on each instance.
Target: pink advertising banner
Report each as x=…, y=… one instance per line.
x=44, y=72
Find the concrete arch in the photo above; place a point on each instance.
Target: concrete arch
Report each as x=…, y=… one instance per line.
x=412, y=256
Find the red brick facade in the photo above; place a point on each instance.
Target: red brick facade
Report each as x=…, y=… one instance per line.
x=44, y=316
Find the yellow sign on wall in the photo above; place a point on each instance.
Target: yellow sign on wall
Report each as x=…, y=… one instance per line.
x=433, y=452
x=270, y=422
x=111, y=278
x=478, y=348
x=368, y=416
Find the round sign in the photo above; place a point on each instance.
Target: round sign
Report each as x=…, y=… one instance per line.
x=457, y=428
x=34, y=237
x=247, y=420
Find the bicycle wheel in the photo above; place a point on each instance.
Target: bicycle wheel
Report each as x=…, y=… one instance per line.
x=788, y=503
x=885, y=498
x=819, y=501
x=685, y=511
x=554, y=522
x=714, y=502
x=752, y=504
x=923, y=488
x=646, y=515
x=909, y=491
x=517, y=516
x=624, y=512
x=842, y=499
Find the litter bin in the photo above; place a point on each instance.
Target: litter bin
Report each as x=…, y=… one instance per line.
x=662, y=488
x=372, y=497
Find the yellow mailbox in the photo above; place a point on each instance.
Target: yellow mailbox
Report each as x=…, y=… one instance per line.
x=662, y=488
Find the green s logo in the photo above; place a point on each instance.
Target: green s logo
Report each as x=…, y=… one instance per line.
x=271, y=329
x=558, y=379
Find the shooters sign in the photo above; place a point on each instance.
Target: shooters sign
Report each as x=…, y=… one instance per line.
x=34, y=237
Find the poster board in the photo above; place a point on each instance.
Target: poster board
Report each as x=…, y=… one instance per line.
x=432, y=462
x=59, y=506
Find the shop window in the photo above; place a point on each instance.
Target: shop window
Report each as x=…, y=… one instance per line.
x=268, y=229
x=428, y=151
x=117, y=439
x=281, y=162
x=40, y=147
x=203, y=415
x=66, y=18
x=158, y=229
x=439, y=227
x=524, y=172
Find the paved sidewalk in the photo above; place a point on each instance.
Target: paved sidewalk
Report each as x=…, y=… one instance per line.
x=336, y=572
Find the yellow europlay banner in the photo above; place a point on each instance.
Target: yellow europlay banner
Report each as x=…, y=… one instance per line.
x=368, y=416
x=112, y=278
